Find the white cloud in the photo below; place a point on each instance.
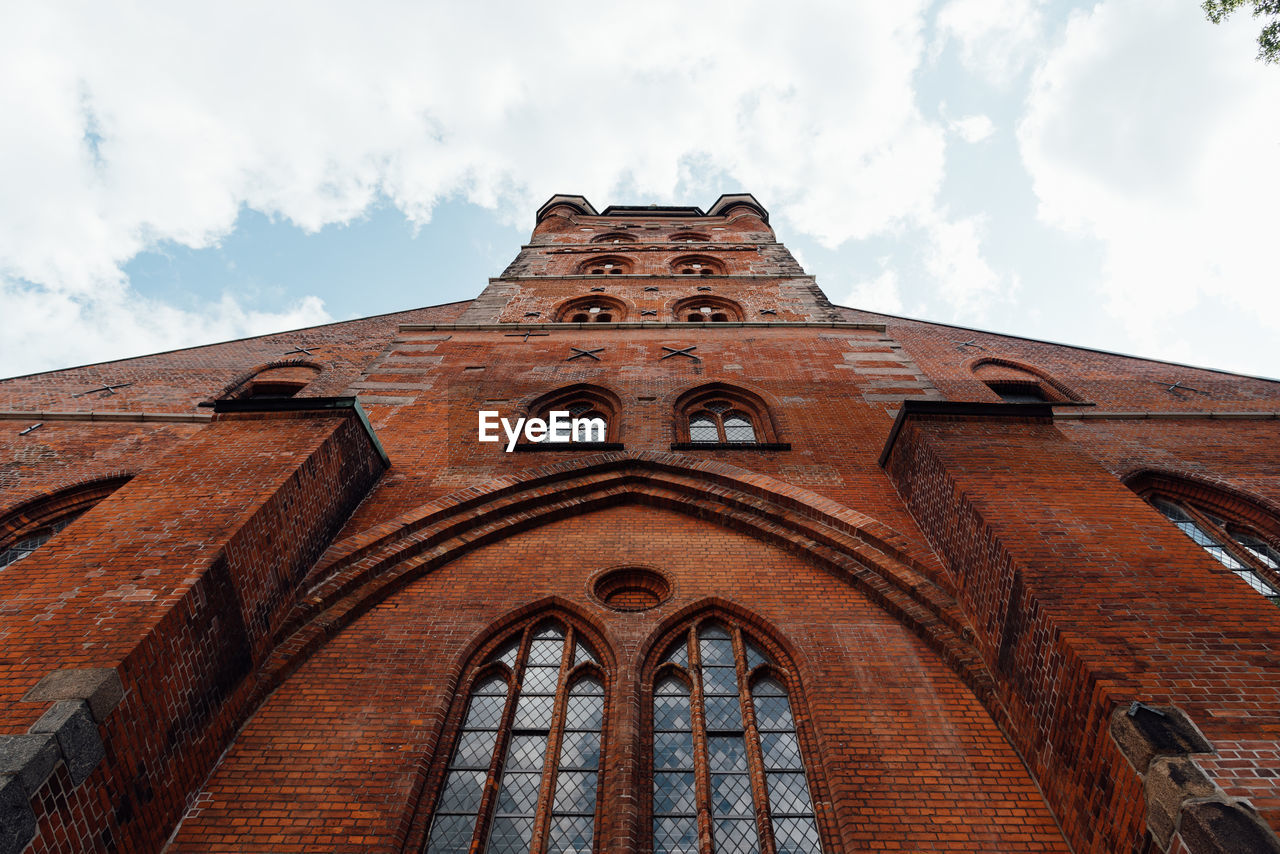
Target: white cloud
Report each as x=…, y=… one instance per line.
x=128, y=126
x=60, y=329
x=972, y=129
x=954, y=260
x=1156, y=133
x=880, y=294
x=996, y=38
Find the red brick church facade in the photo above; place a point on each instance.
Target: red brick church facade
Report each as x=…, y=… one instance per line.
x=831, y=581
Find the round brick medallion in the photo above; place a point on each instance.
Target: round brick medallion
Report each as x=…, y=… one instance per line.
x=631, y=588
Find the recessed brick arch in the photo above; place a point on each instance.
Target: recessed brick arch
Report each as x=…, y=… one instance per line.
x=697, y=265
x=661, y=477
x=362, y=571
x=597, y=308
x=995, y=371
x=604, y=265
x=279, y=379
x=707, y=309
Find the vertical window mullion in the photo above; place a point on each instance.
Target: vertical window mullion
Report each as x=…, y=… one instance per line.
x=511, y=829
x=755, y=760
x=550, y=762
x=698, y=722
x=732, y=806
x=575, y=801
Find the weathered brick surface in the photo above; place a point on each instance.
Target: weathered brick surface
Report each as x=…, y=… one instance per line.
x=963, y=620
x=911, y=759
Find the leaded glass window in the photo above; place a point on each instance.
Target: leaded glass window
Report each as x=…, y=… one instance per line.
x=533, y=725
x=1238, y=548
x=719, y=744
x=719, y=422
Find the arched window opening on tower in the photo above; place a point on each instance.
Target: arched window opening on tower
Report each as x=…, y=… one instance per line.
x=524, y=774
x=592, y=309
x=722, y=712
x=1239, y=547
x=606, y=265
x=707, y=309
x=697, y=265
x=614, y=237
x=689, y=237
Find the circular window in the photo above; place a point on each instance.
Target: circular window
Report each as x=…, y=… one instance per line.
x=631, y=588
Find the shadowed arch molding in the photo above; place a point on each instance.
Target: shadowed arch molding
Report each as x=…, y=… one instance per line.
x=361, y=571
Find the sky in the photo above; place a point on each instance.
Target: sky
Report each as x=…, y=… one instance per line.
x=1097, y=174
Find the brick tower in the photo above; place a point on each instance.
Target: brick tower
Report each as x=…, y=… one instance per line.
x=829, y=581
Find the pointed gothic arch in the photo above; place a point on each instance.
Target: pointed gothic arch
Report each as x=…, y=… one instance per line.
x=760, y=709
x=524, y=742
x=905, y=581
x=582, y=400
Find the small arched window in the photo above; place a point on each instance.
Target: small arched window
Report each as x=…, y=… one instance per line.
x=592, y=309
x=1239, y=547
x=524, y=772
x=582, y=401
x=723, y=415
x=707, y=309
x=612, y=265
x=697, y=265
x=721, y=713
x=689, y=237
x=1014, y=383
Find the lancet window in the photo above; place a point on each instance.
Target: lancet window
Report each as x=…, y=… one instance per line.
x=524, y=772
x=725, y=748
